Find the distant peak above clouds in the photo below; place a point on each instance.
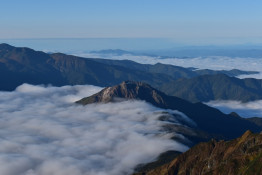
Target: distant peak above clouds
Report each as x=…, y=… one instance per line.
x=128, y=90
x=112, y=51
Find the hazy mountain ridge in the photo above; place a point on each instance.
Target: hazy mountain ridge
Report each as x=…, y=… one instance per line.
x=194, y=51
x=215, y=87
x=24, y=65
x=19, y=65
x=113, y=52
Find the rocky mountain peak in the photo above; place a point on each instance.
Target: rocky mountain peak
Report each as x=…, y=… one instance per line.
x=127, y=90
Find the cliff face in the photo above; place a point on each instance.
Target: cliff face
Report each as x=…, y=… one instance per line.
x=239, y=156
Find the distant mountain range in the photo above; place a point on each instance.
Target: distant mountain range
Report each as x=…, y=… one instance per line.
x=24, y=65
x=193, y=51
x=112, y=52
x=239, y=156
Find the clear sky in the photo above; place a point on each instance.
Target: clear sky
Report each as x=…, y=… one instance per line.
x=175, y=19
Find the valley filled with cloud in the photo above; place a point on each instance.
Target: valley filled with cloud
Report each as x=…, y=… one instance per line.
x=42, y=131
x=246, y=110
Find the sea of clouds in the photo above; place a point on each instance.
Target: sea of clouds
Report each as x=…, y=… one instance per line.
x=43, y=132
x=247, y=110
x=212, y=62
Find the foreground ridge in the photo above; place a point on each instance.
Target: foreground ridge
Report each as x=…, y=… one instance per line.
x=239, y=156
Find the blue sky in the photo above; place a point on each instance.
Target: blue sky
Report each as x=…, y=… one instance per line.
x=181, y=20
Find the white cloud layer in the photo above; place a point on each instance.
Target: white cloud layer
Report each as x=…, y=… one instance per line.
x=42, y=132
x=247, y=110
x=212, y=62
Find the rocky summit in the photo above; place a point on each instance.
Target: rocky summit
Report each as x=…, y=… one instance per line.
x=127, y=90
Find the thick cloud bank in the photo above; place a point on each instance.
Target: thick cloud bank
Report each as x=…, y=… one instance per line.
x=43, y=132
x=250, y=109
x=214, y=63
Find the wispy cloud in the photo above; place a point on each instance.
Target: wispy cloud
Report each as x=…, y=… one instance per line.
x=250, y=109
x=43, y=132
